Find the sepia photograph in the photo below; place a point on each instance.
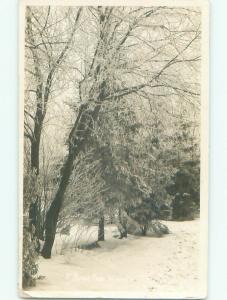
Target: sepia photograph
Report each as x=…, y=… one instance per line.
x=113, y=149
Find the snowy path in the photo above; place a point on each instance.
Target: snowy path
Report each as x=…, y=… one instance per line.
x=141, y=266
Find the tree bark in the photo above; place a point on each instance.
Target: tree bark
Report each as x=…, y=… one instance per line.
x=101, y=231
x=77, y=140
x=53, y=212
x=35, y=149
x=35, y=145
x=144, y=230
x=122, y=225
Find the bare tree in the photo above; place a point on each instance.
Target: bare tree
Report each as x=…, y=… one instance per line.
x=46, y=51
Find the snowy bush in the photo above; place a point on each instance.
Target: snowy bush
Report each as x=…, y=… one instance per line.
x=30, y=267
x=143, y=212
x=184, y=207
x=157, y=229
x=78, y=236
x=30, y=241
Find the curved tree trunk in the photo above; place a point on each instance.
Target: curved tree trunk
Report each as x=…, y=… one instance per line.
x=53, y=212
x=77, y=140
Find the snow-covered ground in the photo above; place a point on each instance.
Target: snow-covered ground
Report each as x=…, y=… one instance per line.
x=144, y=267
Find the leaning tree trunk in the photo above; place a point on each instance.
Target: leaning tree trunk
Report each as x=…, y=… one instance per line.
x=53, y=212
x=77, y=140
x=101, y=230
